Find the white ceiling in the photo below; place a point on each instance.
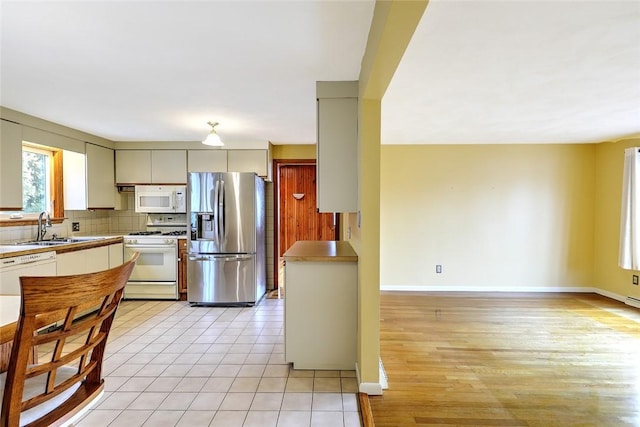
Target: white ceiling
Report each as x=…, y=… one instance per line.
x=475, y=72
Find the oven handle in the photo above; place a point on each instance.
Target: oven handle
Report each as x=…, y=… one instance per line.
x=150, y=248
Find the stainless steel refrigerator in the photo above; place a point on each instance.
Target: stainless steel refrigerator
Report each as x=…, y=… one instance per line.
x=226, y=245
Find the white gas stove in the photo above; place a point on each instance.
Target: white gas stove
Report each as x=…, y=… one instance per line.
x=155, y=275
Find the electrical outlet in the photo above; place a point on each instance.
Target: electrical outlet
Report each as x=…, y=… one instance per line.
x=635, y=279
x=75, y=226
x=438, y=268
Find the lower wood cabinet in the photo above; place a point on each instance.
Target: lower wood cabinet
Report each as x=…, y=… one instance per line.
x=182, y=269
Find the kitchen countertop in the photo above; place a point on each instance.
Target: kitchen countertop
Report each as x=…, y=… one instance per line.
x=321, y=250
x=9, y=250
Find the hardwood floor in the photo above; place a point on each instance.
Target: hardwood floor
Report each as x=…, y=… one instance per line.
x=508, y=360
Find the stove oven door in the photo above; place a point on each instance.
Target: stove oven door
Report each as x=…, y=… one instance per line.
x=155, y=274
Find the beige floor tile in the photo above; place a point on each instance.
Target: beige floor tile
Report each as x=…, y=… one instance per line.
x=299, y=385
x=327, y=385
x=148, y=400
x=151, y=370
x=196, y=419
x=126, y=370
x=301, y=373
x=114, y=383
x=327, y=419
x=266, y=402
x=201, y=371
x=163, y=419
x=191, y=384
x=226, y=371
x=98, y=418
x=234, y=359
x=118, y=400
x=177, y=401
x=210, y=359
x=257, y=359
x=327, y=374
x=244, y=384
x=251, y=371
x=294, y=419
x=261, y=419
x=349, y=385
x=349, y=402
x=276, y=371
x=164, y=384
x=132, y=418
x=272, y=385
x=297, y=402
x=229, y=419
x=352, y=419
x=136, y=383
x=327, y=402
x=218, y=384
x=237, y=402
x=207, y=402
x=348, y=374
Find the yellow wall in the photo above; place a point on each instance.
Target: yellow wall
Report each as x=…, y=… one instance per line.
x=300, y=151
x=512, y=216
x=609, y=162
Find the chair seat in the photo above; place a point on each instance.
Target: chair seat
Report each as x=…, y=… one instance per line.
x=34, y=386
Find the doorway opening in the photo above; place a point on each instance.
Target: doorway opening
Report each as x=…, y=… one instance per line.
x=295, y=210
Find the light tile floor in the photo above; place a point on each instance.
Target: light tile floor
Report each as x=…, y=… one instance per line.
x=170, y=364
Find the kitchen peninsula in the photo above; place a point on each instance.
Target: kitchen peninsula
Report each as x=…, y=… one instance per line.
x=321, y=305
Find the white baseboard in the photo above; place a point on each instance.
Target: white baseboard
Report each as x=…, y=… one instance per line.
x=488, y=289
x=372, y=389
x=633, y=302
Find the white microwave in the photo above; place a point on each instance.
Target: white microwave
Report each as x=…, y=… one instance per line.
x=161, y=198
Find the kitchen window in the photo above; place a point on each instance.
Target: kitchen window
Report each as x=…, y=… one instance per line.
x=41, y=171
x=36, y=179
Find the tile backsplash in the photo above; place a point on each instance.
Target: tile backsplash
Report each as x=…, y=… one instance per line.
x=92, y=223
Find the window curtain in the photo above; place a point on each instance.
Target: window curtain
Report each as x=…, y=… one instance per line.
x=629, y=256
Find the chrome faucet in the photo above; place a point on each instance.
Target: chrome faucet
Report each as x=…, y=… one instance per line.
x=42, y=228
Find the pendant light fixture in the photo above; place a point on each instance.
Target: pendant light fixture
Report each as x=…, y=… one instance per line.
x=213, y=139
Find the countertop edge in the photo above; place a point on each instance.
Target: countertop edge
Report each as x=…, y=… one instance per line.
x=321, y=251
x=65, y=248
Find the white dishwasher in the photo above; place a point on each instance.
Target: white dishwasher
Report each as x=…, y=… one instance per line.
x=39, y=264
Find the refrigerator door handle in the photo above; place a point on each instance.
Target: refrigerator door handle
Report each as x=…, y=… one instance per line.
x=216, y=197
x=220, y=217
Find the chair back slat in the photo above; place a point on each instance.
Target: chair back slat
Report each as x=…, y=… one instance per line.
x=66, y=321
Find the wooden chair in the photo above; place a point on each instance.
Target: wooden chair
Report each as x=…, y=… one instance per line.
x=76, y=313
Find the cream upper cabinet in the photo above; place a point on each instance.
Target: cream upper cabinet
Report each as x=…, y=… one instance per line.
x=151, y=166
x=74, y=178
x=337, y=148
x=168, y=166
x=101, y=190
x=10, y=165
x=133, y=166
x=247, y=161
x=207, y=161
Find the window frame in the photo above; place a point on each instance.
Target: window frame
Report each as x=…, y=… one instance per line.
x=56, y=194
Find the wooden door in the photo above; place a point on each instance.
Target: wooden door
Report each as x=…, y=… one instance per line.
x=297, y=209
